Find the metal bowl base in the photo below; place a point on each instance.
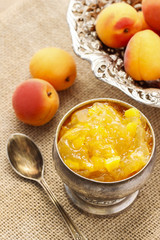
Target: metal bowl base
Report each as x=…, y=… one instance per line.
x=112, y=207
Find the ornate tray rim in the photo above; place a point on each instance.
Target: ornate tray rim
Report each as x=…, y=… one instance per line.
x=149, y=96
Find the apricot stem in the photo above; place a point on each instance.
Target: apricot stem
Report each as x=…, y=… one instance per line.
x=67, y=79
x=49, y=94
x=126, y=30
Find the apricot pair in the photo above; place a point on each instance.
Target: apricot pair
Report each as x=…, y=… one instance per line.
x=142, y=55
x=36, y=101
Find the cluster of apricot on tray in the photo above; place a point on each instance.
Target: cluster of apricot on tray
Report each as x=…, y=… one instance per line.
x=121, y=25
x=105, y=142
x=35, y=101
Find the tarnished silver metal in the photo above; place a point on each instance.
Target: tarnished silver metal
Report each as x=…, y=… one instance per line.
x=106, y=63
x=26, y=160
x=101, y=198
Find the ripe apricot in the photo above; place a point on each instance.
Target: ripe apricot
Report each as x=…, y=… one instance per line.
x=35, y=102
x=151, y=11
x=142, y=56
x=117, y=23
x=54, y=65
x=144, y=24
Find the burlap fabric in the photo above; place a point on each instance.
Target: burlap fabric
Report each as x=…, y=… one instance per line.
x=26, y=213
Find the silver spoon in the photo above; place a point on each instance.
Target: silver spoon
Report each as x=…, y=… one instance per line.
x=26, y=160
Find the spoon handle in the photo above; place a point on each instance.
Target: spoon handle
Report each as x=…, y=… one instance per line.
x=76, y=234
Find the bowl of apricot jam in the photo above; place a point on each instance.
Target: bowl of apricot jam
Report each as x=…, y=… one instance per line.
x=104, y=152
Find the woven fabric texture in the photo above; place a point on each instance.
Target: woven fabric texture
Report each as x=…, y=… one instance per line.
x=26, y=213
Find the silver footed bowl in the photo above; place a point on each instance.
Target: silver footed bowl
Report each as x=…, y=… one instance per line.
x=95, y=197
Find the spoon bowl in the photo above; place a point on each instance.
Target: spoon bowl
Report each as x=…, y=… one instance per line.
x=26, y=160
x=25, y=157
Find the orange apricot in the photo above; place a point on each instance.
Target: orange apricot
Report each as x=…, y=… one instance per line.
x=35, y=102
x=117, y=23
x=151, y=12
x=142, y=56
x=54, y=65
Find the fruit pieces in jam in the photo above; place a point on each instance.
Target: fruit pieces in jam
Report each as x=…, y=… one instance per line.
x=105, y=142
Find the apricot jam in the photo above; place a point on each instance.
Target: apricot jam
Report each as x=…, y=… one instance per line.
x=105, y=142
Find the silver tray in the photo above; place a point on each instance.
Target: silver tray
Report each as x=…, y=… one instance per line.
x=106, y=63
